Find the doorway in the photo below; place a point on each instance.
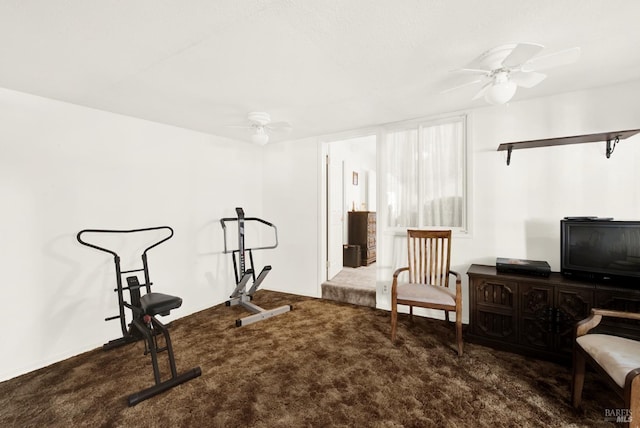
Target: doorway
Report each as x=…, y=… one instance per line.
x=351, y=185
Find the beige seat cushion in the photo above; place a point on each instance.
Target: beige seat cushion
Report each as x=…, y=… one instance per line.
x=616, y=355
x=426, y=293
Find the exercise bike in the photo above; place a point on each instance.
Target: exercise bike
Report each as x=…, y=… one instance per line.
x=241, y=296
x=144, y=308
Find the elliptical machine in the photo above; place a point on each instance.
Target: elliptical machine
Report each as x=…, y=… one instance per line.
x=241, y=296
x=144, y=308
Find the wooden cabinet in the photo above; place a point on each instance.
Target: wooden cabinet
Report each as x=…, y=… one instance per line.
x=536, y=315
x=362, y=232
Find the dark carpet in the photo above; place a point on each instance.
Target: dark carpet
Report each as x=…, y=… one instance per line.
x=324, y=364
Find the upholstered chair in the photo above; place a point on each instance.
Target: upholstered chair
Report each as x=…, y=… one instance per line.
x=615, y=358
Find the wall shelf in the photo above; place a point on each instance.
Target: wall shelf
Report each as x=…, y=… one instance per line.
x=611, y=138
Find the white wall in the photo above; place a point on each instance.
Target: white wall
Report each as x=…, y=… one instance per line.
x=64, y=168
x=291, y=185
x=359, y=156
x=515, y=210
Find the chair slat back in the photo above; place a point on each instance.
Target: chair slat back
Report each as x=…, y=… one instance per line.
x=429, y=254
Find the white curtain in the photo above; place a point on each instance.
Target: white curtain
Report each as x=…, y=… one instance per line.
x=441, y=174
x=424, y=175
x=400, y=166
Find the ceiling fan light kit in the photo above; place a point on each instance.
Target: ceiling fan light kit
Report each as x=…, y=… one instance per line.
x=260, y=137
x=501, y=90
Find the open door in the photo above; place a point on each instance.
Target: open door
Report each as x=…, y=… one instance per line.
x=335, y=215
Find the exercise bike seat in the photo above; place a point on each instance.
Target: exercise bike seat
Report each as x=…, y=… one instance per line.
x=159, y=303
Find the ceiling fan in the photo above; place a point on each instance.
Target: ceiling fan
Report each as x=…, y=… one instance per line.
x=505, y=68
x=260, y=123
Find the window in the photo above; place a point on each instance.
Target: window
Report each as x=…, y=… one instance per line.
x=425, y=173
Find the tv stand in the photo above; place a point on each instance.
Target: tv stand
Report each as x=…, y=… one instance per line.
x=536, y=316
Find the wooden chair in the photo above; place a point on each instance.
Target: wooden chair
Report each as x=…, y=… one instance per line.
x=615, y=358
x=428, y=286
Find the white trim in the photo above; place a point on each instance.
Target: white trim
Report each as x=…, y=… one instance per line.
x=322, y=217
x=323, y=151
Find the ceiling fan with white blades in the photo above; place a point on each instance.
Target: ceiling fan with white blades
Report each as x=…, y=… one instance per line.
x=260, y=123
x=504, y=68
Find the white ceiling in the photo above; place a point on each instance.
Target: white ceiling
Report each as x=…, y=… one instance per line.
x=323, y=65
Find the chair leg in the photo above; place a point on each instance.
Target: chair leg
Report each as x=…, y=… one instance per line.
x=578, y=377
x=446, y=316
x=459, y=326
x=394, y=322
x=411, y=313
x=459, y=334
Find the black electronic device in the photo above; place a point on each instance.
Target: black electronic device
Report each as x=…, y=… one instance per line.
x=522, y=266
x=589, y=218
x=600, y=250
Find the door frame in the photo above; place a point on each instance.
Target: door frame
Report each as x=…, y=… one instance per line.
x=323, y=151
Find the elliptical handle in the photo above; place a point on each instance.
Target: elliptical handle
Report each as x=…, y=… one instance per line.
x=111, y=231
x=273, y=226
x=223, y=222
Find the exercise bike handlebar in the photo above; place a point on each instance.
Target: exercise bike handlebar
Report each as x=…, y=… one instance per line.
x=111, y=231
x=230, y=219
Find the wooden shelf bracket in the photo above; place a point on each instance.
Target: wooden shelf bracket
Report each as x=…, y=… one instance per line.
x=611, y=147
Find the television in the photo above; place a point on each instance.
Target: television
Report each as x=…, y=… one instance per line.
x=600, y=250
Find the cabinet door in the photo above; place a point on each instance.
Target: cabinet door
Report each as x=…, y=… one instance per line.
x=494, y=313
x=572, y=305
x=536, y=315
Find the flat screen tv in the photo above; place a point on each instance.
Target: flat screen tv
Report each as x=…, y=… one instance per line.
x=601, y=250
